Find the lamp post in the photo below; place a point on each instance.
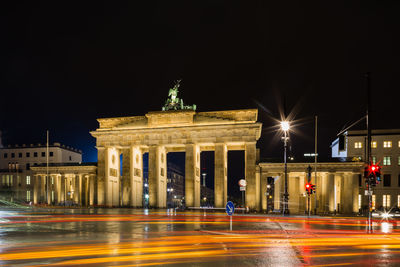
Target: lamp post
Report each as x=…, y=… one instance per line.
x=285, y=126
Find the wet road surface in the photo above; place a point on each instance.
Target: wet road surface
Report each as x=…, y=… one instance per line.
x=128, y=237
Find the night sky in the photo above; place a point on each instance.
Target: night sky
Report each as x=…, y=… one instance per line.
x=64, y=63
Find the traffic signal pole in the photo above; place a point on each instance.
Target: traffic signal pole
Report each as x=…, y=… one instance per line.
x=368, y=157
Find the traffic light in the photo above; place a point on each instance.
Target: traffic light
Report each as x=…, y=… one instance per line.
x=312, y=188
x=308, y=188
x=372, y=174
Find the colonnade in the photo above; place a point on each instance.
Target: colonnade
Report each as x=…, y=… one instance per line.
x=130, y=193
x=337, y=186
x=64, y=188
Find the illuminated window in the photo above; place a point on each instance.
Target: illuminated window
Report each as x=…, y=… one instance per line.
x=52, y=196
x=399, y=143
x=28, y=179
x=387, y=160
x=357, y=144
x=52, y=179
x=374, y=144
x=359, y=201
x=387, y=144
x=373, y=160
x=28, y=195
x=386, y=201
x=373, y=201
x=398, y=200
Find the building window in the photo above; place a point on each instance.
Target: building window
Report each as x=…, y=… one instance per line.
x=386, y=180
x=387, y=160
x=398, y=181
x=52, y=180
x=43, y=154
x=51, y=153
x=374, y=144
x=27, y=166
x=386, y=201
x=359, y=180
x=5, y=155
x=373, y=201
x=162, y=170
x=357, y=144
x=28, y=154
x=13, y=155
x=387, y=144
x=28, y=195
x=399, y=143
x=28, y=180
x=35, y=154
x=19, y=155
x=373, y=160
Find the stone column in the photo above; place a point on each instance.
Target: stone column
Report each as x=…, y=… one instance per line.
x=126, y=177
x=36, y=189
x=220, y=175
x=43, y=188
x=301, y=199
x=253, y=184
x=294, y=193
x=157, y=177
x=111, y=180
x=330, y=191
x=319, y=187
x=349, y=201
x=192, y=175
x=136, y=173
x=277, y=192
x=56, y=188
x=92, y=189
x=76, y=188
x=62, y=188
x=101, y=175
x=356, y=192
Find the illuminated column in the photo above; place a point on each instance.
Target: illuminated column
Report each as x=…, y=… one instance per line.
x=294, y=192
x=42, y=188
x=101, y=175
x=331, y=191
x=220, y=175
x=253, y=181
x=278, y=192
x=350, y=193
x=111, y=180
x=56, y=187
x=76, y=188
x=36, y=189
x=62, y=188
x=136, y=180
x=92, y=189
x=80, y=189
x=126, y=177
x=192, y=175
x=356, y=192
x=157, y=177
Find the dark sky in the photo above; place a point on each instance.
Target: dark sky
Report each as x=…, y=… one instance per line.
x=64, y=63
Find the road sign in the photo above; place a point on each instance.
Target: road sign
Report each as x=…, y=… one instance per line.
x=242, y=188
x=230, y=208
x=242, y=183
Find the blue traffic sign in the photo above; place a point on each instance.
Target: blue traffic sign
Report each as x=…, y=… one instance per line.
x=230, y=208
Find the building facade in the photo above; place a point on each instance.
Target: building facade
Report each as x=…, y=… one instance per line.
x=17, y=178
x=385, y=151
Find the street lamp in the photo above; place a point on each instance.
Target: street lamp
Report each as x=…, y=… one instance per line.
x=285, y=126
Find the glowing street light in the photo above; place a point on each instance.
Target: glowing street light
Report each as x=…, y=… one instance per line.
x=285, y=126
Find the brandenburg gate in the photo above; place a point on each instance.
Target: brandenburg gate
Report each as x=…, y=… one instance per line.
x=160, y=132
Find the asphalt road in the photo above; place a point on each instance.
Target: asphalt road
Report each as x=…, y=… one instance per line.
x=128, y=237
